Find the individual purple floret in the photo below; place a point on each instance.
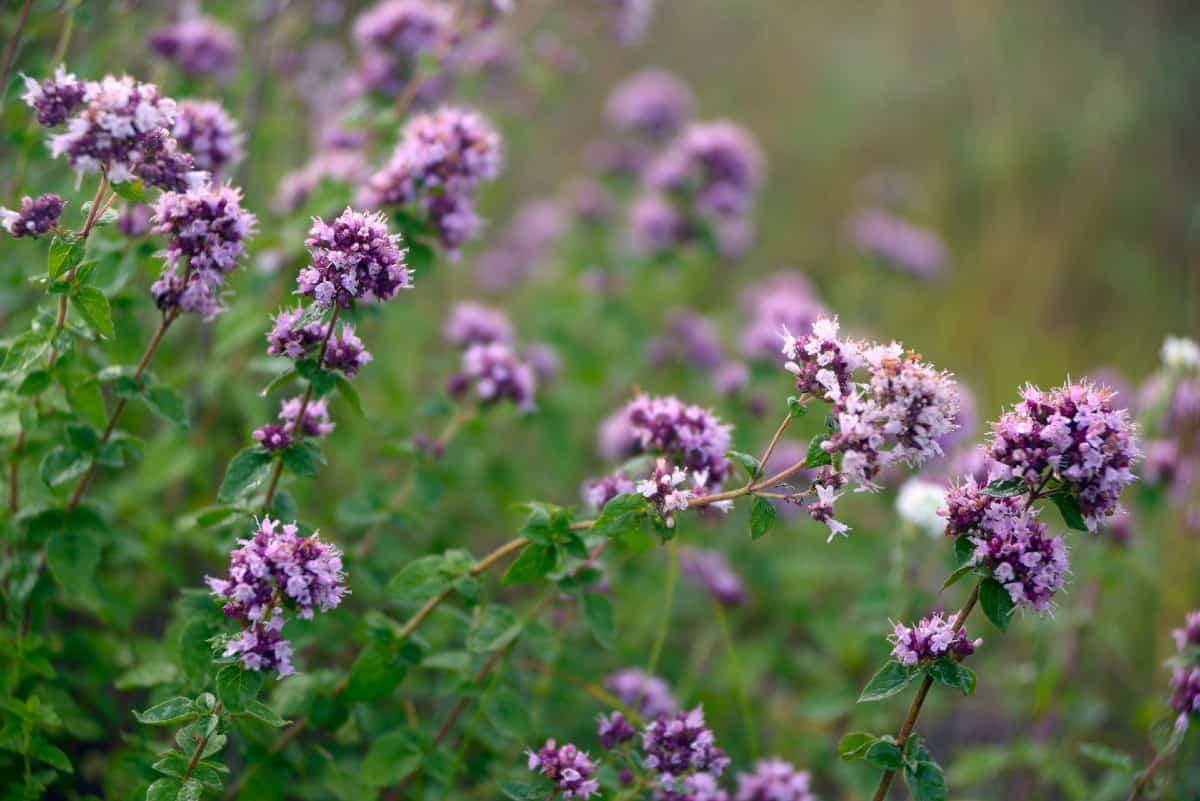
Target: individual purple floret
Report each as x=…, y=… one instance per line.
x=353, y=257
x=35, y=217
x=345, y=352
x=207, y=230
x=54, y=99
x=687, y=337
x=599, y=491
x=614, y=729
x=121, y=126
x=566, y=766
x=316, y=416
x=209, y=134
x=774, y=780
x=404, y=29
x=496, y=374
x=717, y=166
x=652, y=103
x=898, y=242
x=471, y=323
x=681, y=744
x=711, y=571
x=827, y=484
x=785, y=300
x=198, y=46
x=1073, y=434
x=1189, y=635
x=1185, y=694
x=932, y=638
x=691, y=436
x=261, y=646
x=649, y=695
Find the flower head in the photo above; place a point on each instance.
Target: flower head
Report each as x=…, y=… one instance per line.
x=496, y=374
x=353, y=257
x=614, y=729
x=717, y=166
x=649, y=695
x=209, y=134
x=899, y=243
x=1189, y=635
x=56, y=98
x=690, y=436
x=783, y=301
x=568, y=767
x=345, y=353
x=653, y=103
x=680, y=744
x=404, y=29
x=35, y=217
x=472, y=323
x=198, y=46
x=932, y=638
x=774, y=780
x=711, y=571
x=599, y=491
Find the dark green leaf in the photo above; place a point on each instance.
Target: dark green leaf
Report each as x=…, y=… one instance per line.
x=533, y=562
x=818, y=456
x=953, y=674
x=1005, y=488
x=622, y=514
x=1068, y=507
x=375, y=674
x=72, y=557
x=303, y=459
x=173, y=710
x=35, y=383
x=65, y=254
x=795, y=407
x=762, y=517
x=236, y=686
x=167, y=404
x=93, y=306
x=420, y=580
x=996, y=602
x=246, y=471
x=925, y=782
x=597, y=612
x=281, y=380
x=957, y=575
x=885, y=754
x=260, y=711
x=55, y=757
x=524, y=791
x=964, y=550
x=166, y=789
x=748, y=463
x=391, y=757
x=62, y=465
x=890, y=680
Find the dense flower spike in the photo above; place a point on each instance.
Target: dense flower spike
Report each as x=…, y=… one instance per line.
x=599, y=491
x=441, y=161
x=198, y=46
x=649, y=695
x=261, y=646
x=54, y=99
x=292, y=337
x=711, y=571
x=898, y=242
x=1075, y=435
x=207, y=230
x=204, y=130
x=35, y=217
x=717, y=166
x=681, y=744
x=932, y=638
x=472, y=323
x=774, y=780
x=496, y=374
x=121, y=126
x=345, y=352
x=690, y=436
x=783, y=301
x=614, y=729
x=276, y=437
x=353, y=257
x=568, y=767
x=651, y=103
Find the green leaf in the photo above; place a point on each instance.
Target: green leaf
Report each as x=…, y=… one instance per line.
x=818, y=456
x=1005, y=488
x=885, y=754
x=492, y=628
x=303, y=458
x=855, y=744
x=533, y=562
x=236, y=686
x=246, y=471
x=171, y=711
x=35, y=383
x=281, y=380
x=26, y=349
x=996, y=602
x=134, y=190
x=890, y=680
x=1108, y=757
x=321, y=380
x=420, y=580
x=166, y=789
x=749, y=463
x=1068, y=507
x=261, y=712
x=65, y=254
x=524, y=791
x=597, y=611
x=62, y=465
x=925, y=782
x=349, y=394
x=762, y=517
x=167, y=404
x=957, y=575
x=795, y=407
x=376, y=673
x=391, y=757
x=55, y=757
x=964, y=551
x=547, y=524
x=93, y=306
x=621, y=515
x=952, y=674
x=72, y=557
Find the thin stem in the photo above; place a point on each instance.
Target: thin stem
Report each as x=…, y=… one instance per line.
x=1159, y=760
x=762, y=462
x=910, y=720
x=198, y=754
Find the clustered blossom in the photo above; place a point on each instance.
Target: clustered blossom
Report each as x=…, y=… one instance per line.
x=655, y=226
x=711, y=571
x=681, y=744
x=785, y=300
x=135, y=220
x=274, y=569
x=120, y=126
x=687, y=337
x=1185, y=678
x=690, y=436
x=822, y=362
x=630, y=19
x=292, y=337
x=207, y=230
x=209, y=134
x=345, y=352
x=471, y=323
x=599, y=491
x=353, y=257
x=614, y=729
x=649, y=695
x=932, y=638
x=35, y=217
x=404, y=29
x=54, y=99
x=897, y=242
x=652, y=103
x=1189, y=635
x=496, y=374
x=662, y=488
x=717, y=167
x=442, y=159
x=569, y=768
x=1075, y=435
x=1010, y=542
x=198, y=46
x=277, y=436
x=774, y=780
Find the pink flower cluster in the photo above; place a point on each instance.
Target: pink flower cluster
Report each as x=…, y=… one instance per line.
x=569, y=768
x=932, y=638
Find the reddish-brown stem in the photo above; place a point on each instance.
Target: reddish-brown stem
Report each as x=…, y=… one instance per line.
x=198, y=754
x=1159, y=759
x=762, y=462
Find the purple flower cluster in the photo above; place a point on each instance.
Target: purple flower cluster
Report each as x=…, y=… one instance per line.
x=687, y=337
x=715, y=168
x=198, y=46
x=681, y=744
x=353, y=257
x=711, y=571
x=1075, y=435
x=898, y=242
x=614, y=729
x=599, y=491
x=345, y=352
x=1189, y=635
x=437, y=169
x=1185, y=678
x=690, y=436
x=292, y=337
x=496, y=374
x=207, y=230
x=54, y=99
x=404, y=29
x=277, y=436
x=568, y=767
x=652, y=103
x=663, y=488
x=932, y=638
x=656, y=227
x=822, y=362
x=785, y=300
x=204, y=130
x=35, y=217
x=135, y=220
x=471, y=323
x=274, y=569
x=649, y=695
x=630, y=19
x=774, y=780
x=526, y=242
